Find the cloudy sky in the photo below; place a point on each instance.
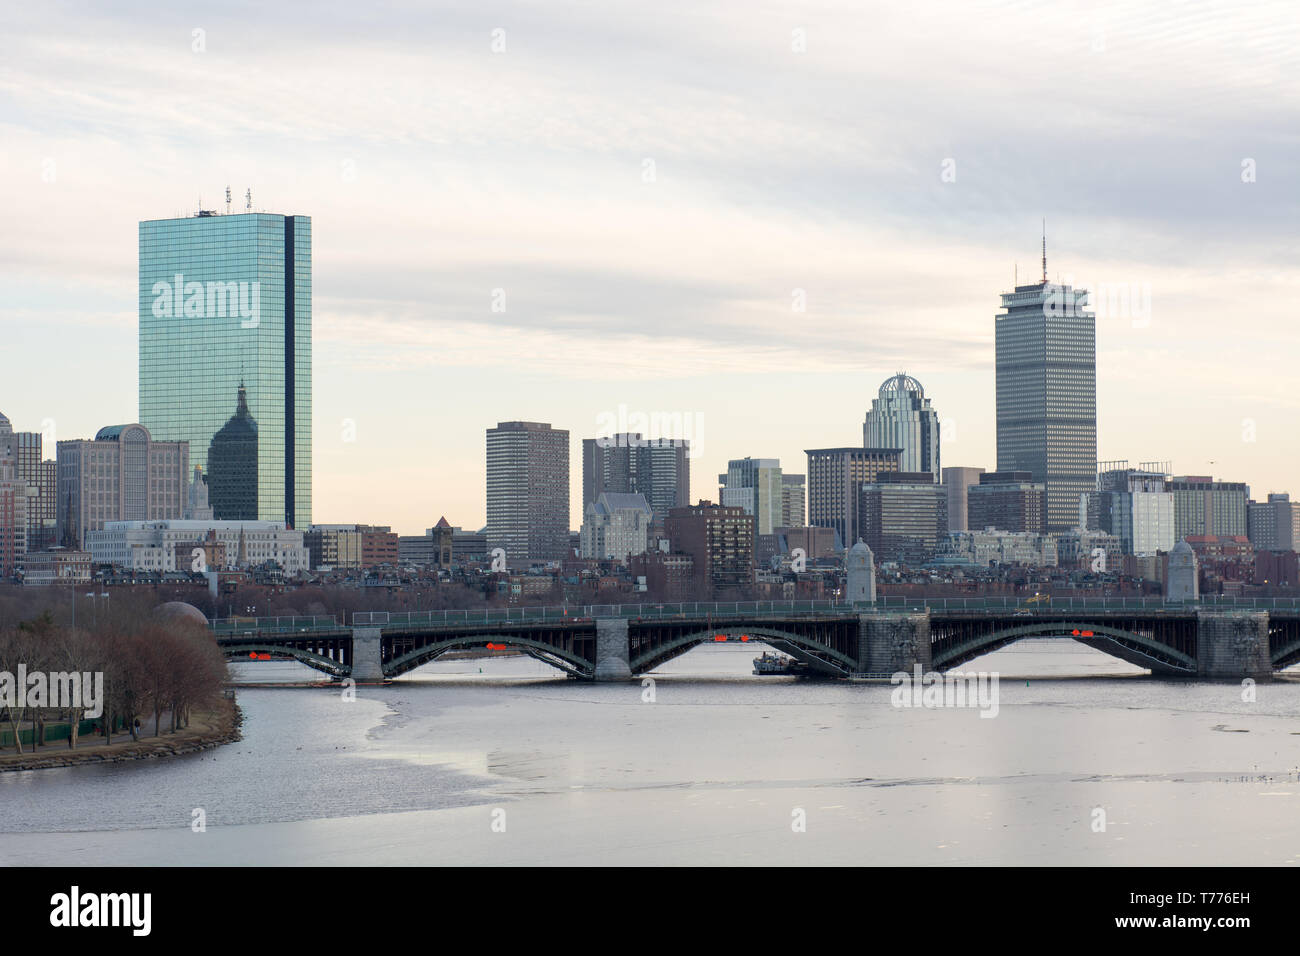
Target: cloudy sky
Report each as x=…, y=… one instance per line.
x=655, y=187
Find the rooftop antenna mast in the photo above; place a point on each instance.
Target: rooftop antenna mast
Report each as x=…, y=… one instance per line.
x=248, y=207
x=1044, y=250
x=227, y=200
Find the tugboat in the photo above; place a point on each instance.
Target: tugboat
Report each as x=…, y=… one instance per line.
x=767, y=664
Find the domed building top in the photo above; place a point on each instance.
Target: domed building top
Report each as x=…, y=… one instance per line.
x=242, y=423
x=132, y=432
x=180, y=611
x=900, y=383
x=1182, y=547
x=860, y=548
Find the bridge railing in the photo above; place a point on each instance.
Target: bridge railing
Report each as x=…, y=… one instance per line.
x=697, y=609
x=284, y=624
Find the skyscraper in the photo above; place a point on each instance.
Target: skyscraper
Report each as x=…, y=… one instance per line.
x=528, y=491
x=755, y=485
x=1046, y=344
x=901, y=417
x=958, y=481
x=232, y=466
x=13, y=504
x=793, y=495
x=225, y=300
x=835, y=475
x=627, y=463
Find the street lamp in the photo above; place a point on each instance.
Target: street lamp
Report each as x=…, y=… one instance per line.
x=94, y=619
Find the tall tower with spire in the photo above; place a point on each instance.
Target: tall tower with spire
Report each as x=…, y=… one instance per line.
x=1046, y=345
x=233, y=465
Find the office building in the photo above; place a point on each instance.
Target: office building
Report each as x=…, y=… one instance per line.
x=1046, y=348
x=528, y=491
x=1092, y=550
x=755, y=485
x=13, y=505
x=628, y=463
x=957, y=481
x=1205, y=506
x=351, y=546
x=615, y=527
x=122, y=475
x=988, y=548
x=1007, y=501
x=1274, y=525
x=903, y=516
x=56, y=566
x=161, y=546
x=41, y=478
x=1135, y=505
x=834, y=477
x=720, y=541
x=226, y=308
x=793, y=497
x=901, y=417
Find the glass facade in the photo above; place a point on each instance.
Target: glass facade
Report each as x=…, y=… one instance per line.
x=1047, y=394
x=901, y=417
x=225, y=301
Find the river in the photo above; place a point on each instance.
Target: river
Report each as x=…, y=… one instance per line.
x=503, y=761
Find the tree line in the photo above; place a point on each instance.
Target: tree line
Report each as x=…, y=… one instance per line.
x=151, y=667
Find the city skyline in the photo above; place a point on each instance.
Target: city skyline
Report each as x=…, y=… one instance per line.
x=676, y=283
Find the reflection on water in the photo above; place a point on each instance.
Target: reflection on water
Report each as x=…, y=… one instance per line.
x=711, y=771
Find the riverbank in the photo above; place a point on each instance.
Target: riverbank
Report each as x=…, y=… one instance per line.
x=218, y=725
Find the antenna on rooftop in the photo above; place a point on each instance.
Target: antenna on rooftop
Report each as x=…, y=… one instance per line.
x=227, y=200
x=1044, y=249
x=248, y=200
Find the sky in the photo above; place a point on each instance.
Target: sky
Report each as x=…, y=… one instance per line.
x=741, y=216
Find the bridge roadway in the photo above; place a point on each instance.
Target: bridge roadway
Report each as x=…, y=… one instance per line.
x=1221, y=639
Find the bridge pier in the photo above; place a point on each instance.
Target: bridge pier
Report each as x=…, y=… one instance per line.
x=891, y=642
x=367, y=655
x=612, y=662
x=1231, y=645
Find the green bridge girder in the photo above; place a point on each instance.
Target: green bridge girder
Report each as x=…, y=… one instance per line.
x=1161, y=653
x=540, y=650
x=315, y=661
x=758, y=635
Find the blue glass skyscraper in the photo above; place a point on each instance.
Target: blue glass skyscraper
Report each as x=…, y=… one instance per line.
x=225, y=303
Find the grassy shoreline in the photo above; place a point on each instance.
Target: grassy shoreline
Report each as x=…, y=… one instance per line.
x=217, y=725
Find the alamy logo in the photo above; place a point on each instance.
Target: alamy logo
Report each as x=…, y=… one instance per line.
x=53, y=689
x=624, y=429
x=215, y=300
x=934, y=690
x=102, y=909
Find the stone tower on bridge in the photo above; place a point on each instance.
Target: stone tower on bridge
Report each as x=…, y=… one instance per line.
x=1182, y=582
x=860, y=564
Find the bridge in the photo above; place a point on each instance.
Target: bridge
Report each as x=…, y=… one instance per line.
x=1219, y=639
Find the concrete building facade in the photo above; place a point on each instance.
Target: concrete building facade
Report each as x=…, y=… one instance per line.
x=528, y=491
x=122, y=475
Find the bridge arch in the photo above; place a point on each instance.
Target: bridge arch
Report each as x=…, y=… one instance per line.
x=546, y=653
x=808, y=649
x=1129, y=646
x=328, y=665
